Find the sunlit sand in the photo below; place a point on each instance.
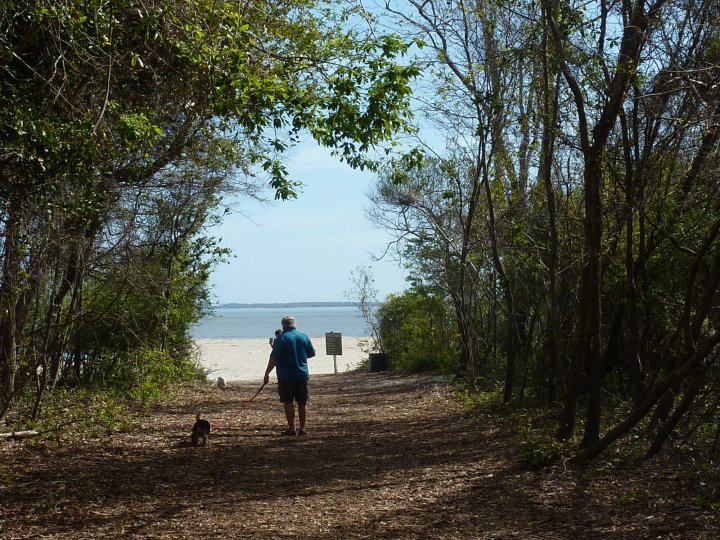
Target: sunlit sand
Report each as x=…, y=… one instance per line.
x=246, y=359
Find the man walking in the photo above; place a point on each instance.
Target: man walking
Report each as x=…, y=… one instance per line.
x=289, y=356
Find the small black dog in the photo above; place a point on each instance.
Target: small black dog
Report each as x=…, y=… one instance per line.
x=201, y=430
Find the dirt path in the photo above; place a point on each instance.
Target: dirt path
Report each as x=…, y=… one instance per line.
x=387, y=456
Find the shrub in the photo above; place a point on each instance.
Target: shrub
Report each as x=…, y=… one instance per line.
x=417, y=332
x=540, y=452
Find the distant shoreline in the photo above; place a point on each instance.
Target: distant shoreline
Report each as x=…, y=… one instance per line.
x=288, y=305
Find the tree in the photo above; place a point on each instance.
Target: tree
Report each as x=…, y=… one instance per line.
x=434, y=213
x=417, y=331
x=104, y=101
x=481, y=59
x=364, y=294
x=611, y=249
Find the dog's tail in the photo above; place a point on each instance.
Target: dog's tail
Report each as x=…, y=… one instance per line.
x=197, y=417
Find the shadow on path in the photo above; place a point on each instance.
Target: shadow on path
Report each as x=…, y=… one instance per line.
x=387, y=456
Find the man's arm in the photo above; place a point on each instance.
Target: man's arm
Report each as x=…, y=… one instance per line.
x=309, y=349
x=271, y=365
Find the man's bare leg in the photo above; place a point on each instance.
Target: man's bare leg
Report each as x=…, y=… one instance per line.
x=302, y=415
x=290, y=415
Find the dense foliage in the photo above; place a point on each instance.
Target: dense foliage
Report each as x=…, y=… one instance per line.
x=411, y=326
x=122, y=125
x=572, y=220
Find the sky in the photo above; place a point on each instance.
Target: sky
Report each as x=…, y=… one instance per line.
x=304, y=250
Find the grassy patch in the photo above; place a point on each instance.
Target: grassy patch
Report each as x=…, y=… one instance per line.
x=79, y=413
x=534, y=428
x=539, y=452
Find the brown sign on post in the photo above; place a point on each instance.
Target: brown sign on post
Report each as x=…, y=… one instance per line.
x=333, y=343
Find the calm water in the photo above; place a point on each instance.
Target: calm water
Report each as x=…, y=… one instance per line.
x=253, y=323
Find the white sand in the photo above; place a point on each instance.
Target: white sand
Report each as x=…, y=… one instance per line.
x=246, y=359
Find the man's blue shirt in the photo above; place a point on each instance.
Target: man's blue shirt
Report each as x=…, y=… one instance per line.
x=291, y=351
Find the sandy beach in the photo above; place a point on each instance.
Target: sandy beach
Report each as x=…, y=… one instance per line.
x=246, y=359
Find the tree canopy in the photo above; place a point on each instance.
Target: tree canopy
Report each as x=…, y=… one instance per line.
x=571, y=221
x=123, y=123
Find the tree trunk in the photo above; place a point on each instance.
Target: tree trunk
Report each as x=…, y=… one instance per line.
x=634, y=165
x=635, y=34
x=665, y=428
x=8, y=307
x=58, y=318
x=555, y=383
x=653, y=394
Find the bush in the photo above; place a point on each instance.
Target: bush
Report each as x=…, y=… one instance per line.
x=540, y=452
x=417, y=332
x=144, y=375
x=94, y=412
